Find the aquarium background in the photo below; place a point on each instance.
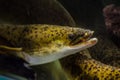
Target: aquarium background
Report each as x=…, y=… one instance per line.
x=84, y=13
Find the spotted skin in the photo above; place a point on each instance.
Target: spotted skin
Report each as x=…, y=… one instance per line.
x=44, y=39
x=95, y=70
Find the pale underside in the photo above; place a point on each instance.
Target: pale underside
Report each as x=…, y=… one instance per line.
x=63, y=52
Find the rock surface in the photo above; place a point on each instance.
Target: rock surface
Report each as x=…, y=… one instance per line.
x=112, y=21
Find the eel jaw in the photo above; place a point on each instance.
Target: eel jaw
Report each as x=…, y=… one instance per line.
x=85, y=44
x=65, y=51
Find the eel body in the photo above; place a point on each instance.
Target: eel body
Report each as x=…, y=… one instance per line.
x=92, y=69
x=41, y=43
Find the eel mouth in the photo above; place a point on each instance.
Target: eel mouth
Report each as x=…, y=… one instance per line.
x=86, y=37
x=86, y=44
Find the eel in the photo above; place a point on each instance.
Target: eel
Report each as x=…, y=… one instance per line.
x=42, y=43
x=82, y=66
x=92, y=69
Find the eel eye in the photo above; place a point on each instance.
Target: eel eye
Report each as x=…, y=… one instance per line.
x=71, y=36
x=74, y=36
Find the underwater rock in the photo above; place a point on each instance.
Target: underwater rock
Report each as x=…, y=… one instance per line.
x=112, y=21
